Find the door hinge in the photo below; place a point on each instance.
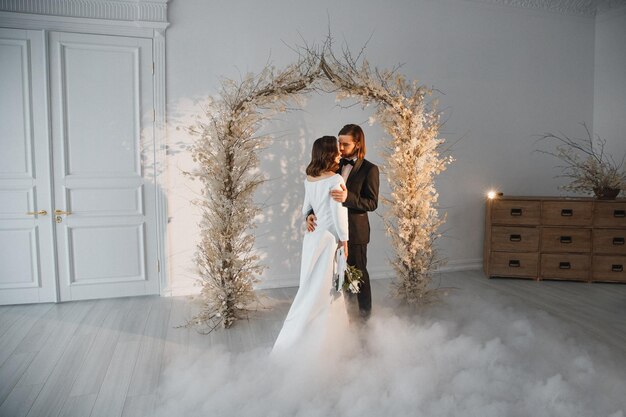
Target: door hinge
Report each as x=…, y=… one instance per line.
x=153, y=68
x=153, y=115
x=158, y=266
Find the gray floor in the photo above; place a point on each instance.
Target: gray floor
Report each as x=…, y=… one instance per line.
x=106, y=357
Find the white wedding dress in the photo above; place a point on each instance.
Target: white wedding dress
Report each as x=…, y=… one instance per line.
x=317, y=312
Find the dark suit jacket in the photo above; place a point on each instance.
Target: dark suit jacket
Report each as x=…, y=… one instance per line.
x=362, y=184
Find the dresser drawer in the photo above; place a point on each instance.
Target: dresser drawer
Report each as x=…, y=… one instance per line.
x=563, y=239
x=609, y=241
x=515, y=212
x=609, y=214
x=566, y=213
x=565, y=266
x=511, y=264
x=609, y=268
x=514, y=239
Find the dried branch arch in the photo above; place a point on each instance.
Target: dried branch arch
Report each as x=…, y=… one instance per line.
x=226, y=150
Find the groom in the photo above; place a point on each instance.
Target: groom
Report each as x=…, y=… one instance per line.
x=360, y=196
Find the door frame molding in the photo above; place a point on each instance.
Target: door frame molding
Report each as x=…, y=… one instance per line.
x=150, y=12
x=136, y=18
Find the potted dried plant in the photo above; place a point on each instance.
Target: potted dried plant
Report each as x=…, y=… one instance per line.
x=587, y=164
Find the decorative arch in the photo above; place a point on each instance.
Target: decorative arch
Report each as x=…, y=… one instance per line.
x=226, y=150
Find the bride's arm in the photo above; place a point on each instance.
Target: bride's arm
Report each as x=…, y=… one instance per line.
x=307, y=208
x=340, y=215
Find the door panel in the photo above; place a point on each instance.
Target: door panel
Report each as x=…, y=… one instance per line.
x=102, y=113
x=27, y=263
x=89, y=242
x=15, y=107
x=18, y=257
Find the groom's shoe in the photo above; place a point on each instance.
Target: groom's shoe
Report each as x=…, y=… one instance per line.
x=365, y=315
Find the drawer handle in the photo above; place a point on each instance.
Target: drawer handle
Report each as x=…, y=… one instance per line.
x=567, y=212
x=619, y=213
x=516, y=212
x=565, y=265
x=618, y=241
x=515, y=238
x=514, y=263
x=617, y=268
x=566, y=239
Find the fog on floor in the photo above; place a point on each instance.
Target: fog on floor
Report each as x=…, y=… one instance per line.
x=465, y=356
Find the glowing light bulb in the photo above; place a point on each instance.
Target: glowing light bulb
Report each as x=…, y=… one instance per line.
x=492, y=195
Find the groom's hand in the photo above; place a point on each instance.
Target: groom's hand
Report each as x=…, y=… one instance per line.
x=310, y=222
x=339, y=195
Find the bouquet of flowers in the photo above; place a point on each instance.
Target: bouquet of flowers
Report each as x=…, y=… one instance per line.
x=346, y=277
x=353, y=279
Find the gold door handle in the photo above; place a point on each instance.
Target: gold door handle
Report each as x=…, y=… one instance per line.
x=35, y=213
x=62, y=212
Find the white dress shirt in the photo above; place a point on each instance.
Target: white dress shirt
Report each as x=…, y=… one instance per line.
x=346, y=169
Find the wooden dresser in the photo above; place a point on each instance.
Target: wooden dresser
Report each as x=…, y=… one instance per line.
x=578, y=239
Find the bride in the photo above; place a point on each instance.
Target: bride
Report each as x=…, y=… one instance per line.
x=317, y=308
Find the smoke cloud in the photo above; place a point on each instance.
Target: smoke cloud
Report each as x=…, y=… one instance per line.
x=465, y=356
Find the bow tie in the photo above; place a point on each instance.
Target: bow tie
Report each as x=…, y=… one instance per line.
x=345, y=161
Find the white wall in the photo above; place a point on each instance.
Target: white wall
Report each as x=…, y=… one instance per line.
x=506, y=74
x=609, y=111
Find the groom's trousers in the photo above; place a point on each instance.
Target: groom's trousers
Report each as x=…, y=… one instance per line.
x=357, y=256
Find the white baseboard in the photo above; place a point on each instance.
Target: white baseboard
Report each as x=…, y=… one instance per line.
x=182, y=291
x=462, y=265
x=291, y=280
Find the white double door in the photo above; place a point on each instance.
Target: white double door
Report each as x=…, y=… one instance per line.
x=77, y=190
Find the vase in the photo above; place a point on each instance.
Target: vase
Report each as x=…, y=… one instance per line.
x=604, y=193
